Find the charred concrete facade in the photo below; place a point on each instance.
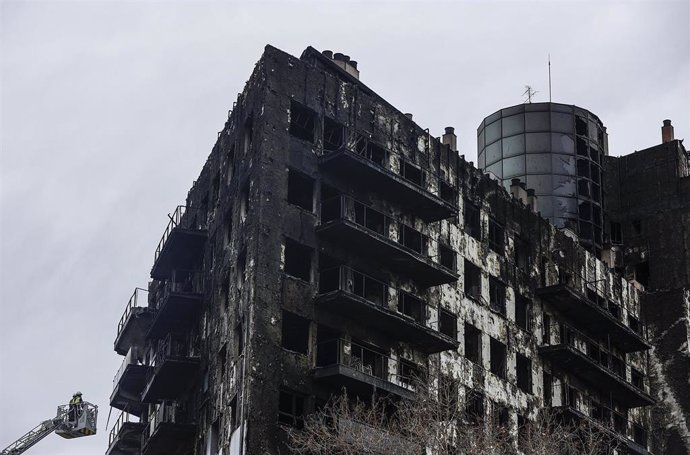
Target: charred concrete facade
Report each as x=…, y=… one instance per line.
x=331, y=242
x=649, y=233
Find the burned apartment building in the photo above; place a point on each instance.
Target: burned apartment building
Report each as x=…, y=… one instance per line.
x=332, y=242
x=648, y=211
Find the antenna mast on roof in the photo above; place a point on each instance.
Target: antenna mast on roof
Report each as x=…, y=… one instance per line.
x=529, y=93
x=549, y=78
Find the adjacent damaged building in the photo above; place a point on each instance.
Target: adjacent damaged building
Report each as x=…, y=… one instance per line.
x=332, y=242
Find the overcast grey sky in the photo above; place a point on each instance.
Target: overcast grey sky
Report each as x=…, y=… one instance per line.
x=109, y=109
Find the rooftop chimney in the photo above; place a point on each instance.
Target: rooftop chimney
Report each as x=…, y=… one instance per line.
x=343, y=61
x=450, y=139
x=408, y=115
x=667, y=132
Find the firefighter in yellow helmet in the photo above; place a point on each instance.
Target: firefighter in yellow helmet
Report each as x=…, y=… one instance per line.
x=75, y=407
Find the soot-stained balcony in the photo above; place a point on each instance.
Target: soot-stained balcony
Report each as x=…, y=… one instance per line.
x=622, y=432
x=594, y=362
x=395, y=245
x=393, y=311
x=134, y=323
x=182, y=244
x=388, y=173
x=174, y=367
x=125, y=436
x=129, y=382
x=177, y=302
x=362, y=370
x=170, y=431
x=592, y=314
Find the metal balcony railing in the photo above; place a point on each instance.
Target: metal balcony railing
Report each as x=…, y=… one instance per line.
x=599, y=353
x=181, y=282
x=169, y=347
x=604, y=416
x=392, y=162
x=377, y=292
x=185, y=218
x=123, y=419
x=166, y=412
x=134, y=302
x=369, y=362
x=379, y=224
x=134, y=357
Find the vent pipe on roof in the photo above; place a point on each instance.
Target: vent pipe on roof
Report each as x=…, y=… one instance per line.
x=450, y=139
x=667, y=132
x=344, y=62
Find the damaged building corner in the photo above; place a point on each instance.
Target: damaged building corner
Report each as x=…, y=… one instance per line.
x=330, y=242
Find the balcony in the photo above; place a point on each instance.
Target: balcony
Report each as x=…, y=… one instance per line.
x=594, y=363
x=362, y=370
x=174, y=368
x=391, y=175
x=391, y=243
x=586, y=313
x=177, y=303
x=182, y=244
x=170, y=431
x=129, y=383
x=369, y=301
x=134, y=323
x=125, y=437
x=624, y=433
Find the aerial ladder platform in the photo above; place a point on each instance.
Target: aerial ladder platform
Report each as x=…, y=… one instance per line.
x=71, y=421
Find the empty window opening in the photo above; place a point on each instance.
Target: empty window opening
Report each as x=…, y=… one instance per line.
x=472, y=220
x=230, y=167
x=295, y=333
x=496, y=237
x=212, y=443
x=234, y=413
x=409, y=373
x=474, y=407
x=412, y=239
x=501, y=415
x=497, y=358
x=523, y=313
x=615, y=310
x=581, y=146
x=580, y=126
x=413, y=174
x=333, y=134
x=302, y=122
x=244, y=202
x=300, y=190
x=448, y=193
x=585, y=211
x=523, y=366
x=225, y=291
x=618, y=366
x=239, y=339
x=291, y=408
x=595, y=174
x=548, y=389
x=331, y=204
x=636, y=378
x=448, y=324
x=247, y=134
x=473, y=343
x=369, y=288
x=298, y=260
x=370, y=218
x=583, y=168
x=371, y=151
x=546, y=328
x=583, y=187
x=411, y=306
x=521, y=254
x=446, y=256
x=634, y=323
x=523, y=432
x=241, y=269
x=497, y=296
x=473, y=285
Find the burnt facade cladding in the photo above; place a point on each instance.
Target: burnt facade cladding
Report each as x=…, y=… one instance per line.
x=648, y=231
x=331, y=242
x=557, y=151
